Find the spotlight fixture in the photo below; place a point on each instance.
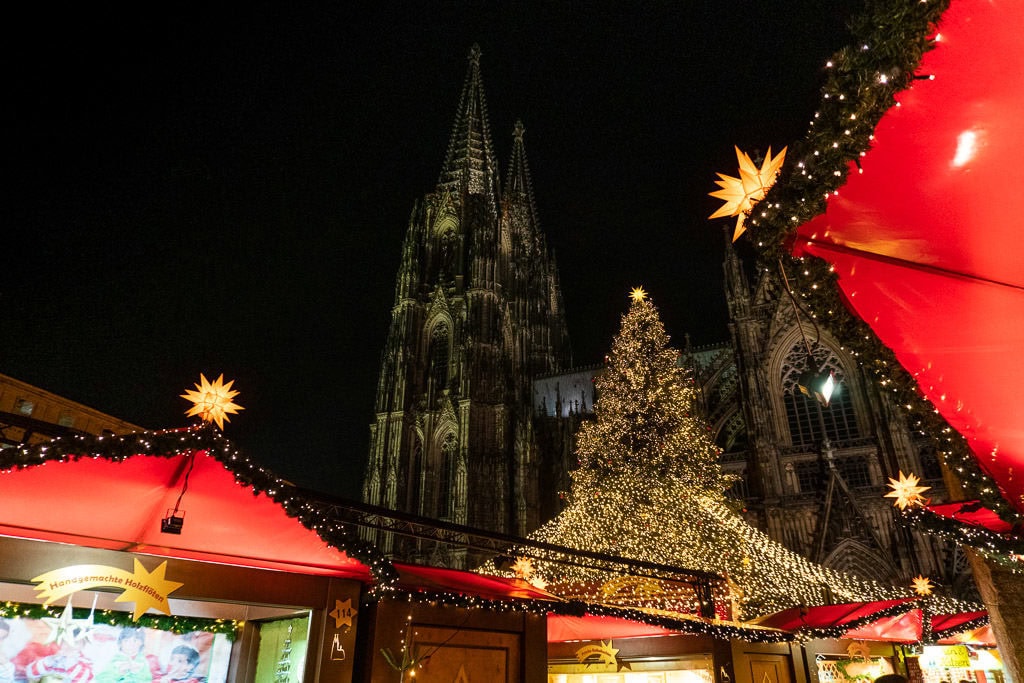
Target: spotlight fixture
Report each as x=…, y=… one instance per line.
x=172, y=523
x=818, y=385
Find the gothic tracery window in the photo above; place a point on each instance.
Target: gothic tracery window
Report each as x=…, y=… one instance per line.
x=802, y=412
x=439, y=357
x=445, y=479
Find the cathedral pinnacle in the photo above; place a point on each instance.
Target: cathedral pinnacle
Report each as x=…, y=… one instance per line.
x=469, y=163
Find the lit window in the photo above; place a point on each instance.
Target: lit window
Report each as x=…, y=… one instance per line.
x=802, y=411
x=66, y=419
x=24, y=406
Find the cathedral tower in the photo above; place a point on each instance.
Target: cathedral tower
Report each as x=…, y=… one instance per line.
x=477, y=314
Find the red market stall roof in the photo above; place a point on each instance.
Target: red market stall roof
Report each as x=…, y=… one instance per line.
x=118, y=505
x=112, y=494
x=979, y=636
x=417, y=578
x=832, y=616
x=926, y=241
x=562, y=628
x=973, y=514
x=899, y=621
x=898, y=628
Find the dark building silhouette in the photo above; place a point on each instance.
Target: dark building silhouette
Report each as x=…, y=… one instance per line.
x=477, y=315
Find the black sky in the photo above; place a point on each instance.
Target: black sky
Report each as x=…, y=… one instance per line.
x=205, y=191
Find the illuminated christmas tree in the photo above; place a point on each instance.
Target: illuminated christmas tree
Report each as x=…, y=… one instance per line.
x=649, y=487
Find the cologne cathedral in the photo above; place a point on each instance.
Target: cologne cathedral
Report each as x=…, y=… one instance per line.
x=477, y=403
x=477, y=314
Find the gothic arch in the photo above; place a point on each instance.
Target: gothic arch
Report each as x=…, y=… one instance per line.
x=848, y=413
x=852, y=556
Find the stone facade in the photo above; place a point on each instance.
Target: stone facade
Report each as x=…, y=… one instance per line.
x=822, y=497
x=477, y=314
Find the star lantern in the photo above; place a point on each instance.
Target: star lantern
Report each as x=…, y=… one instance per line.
x=906, y=491
x=922, y=585
x=638, y=294
x=212, y=401
x=523, y=568
x=741, y=194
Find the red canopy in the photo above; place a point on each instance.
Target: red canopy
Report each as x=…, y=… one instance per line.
x=437, y=580
x=926, y=241
x=100, y=503
x=828, y=616
x=973, y=514
x=899, y=628
x=563, y=628
x=897, y=621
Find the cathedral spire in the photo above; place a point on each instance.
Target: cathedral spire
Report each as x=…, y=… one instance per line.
x=518, y=186
x=469, y=163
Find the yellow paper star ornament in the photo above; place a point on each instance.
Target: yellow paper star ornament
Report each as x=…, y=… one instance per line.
x=212, y=401
x=922, y=585
x=740, y=194
x=906, y=491
x=523, y=568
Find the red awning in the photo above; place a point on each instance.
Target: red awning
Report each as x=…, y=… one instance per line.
x=563, y=628
x=926, y=242
x=99, y=503
x=437, y=580
x=979, y=636
x=973, y=514
x=901, y=628
x=828, y=616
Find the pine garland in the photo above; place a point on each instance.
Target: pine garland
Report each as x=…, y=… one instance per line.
x=174, y=624
x=891, y=37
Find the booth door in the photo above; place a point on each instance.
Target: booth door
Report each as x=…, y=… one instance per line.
x=768, y=668
x=447, y=655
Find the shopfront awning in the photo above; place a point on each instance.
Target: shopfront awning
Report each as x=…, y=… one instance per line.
x=898, y=621
x=98, y=502
x=562, y=628
x=417, y=578
x=824, y=617
x=926, y=241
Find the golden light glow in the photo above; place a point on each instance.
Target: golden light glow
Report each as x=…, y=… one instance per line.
x=906, y=491
x=922, y=585
x=523, y=568
x=740, y=194
x=650, y=488
x=212, y=401
x=638, y=294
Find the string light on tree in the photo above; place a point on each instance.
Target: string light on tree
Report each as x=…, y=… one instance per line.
x=649, y=488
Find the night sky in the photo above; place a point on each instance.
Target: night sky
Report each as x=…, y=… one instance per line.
x=201, y=191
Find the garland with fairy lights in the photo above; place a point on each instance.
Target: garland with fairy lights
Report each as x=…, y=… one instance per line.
x=703, y=627
x=576, y=608
x=891, y=37
x=175, y=442
x=1001, y=548
x=174, y=624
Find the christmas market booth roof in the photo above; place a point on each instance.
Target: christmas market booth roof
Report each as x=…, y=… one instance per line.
x=113, y=493
x=900, y=621
x=600, y=622
x=915, y=145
